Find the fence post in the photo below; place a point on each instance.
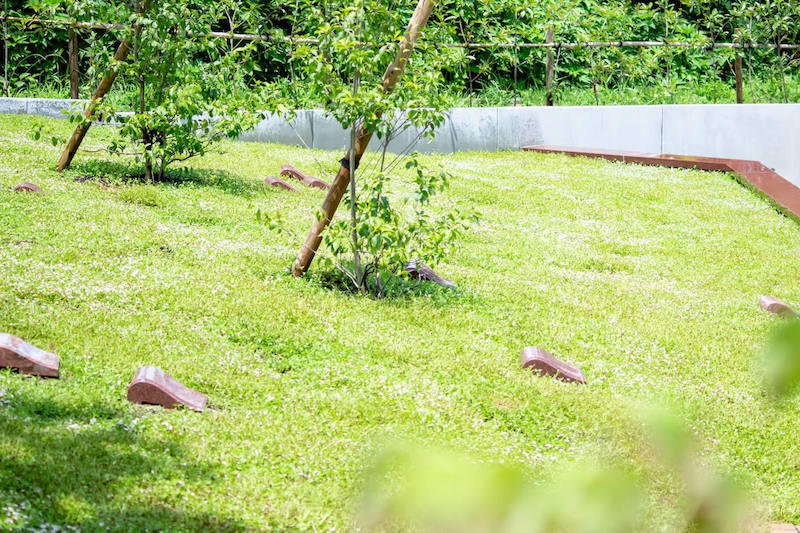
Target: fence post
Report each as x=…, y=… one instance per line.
x=549, y=38
x=74, y=75
x=516, y=88
x=737, y=67
x=516, y=57
x=5, y=48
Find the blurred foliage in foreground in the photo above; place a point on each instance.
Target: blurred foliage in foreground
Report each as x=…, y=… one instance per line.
x=782, y=360
x=437, y=490
x=444, y=491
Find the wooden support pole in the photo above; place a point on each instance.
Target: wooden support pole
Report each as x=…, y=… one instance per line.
x=549, y=37
x=74, y=75
x=105, y=85
x=737, y=66
x=393, y=72
x=5, y=49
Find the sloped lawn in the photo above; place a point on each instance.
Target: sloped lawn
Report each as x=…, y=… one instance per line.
x=646, y=278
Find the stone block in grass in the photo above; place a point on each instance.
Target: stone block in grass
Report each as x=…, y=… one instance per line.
x=776, y=307
x=28, y=187
x=272, y=181
x=546, y=364
x=28, y=359
x=422, y=271
x=153, y=386
x=305, y=179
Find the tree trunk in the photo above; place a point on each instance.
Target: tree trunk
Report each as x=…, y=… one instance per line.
x=105, y=85
x=342, y=179
x=148, y=169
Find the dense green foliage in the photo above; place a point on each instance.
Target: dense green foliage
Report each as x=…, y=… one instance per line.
x=38, y=54
x=646, y=278
x=386, y=237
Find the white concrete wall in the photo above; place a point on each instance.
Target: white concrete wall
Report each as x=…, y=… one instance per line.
x=45, y=107
x=769, y=133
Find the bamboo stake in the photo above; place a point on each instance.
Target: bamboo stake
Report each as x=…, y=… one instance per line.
x=105, y=85
x=393, y=72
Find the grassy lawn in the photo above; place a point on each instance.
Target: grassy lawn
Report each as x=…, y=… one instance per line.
x=646, y=278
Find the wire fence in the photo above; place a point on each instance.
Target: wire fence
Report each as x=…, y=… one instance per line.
x=551, y=49
x=28, y=22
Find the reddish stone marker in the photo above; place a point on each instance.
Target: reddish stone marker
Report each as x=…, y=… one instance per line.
x=277, y=182
x=783, y=528
x=151, y=385
x=28, y=359
x=424, y=272
x=546, y=364
x=776, y=307
x=28, y=187
x=288, y=170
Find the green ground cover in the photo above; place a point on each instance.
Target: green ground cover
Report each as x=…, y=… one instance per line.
x=647, y=278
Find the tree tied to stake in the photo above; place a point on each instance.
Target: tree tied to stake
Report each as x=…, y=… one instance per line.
x=91, y=110
x=192, y=90
x=390, y=78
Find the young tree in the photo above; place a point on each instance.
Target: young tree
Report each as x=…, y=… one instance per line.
x=188, y=85
x=356, y=71
x=353, y=49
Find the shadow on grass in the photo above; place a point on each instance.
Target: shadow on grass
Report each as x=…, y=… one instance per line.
x=208, y=177
x=120, y=172
x=89, y=475
x=395, y=290
x=48, y=410
x=116, y=172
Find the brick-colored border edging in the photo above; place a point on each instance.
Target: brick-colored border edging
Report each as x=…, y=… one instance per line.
x=753, y=174
x=783, y=528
